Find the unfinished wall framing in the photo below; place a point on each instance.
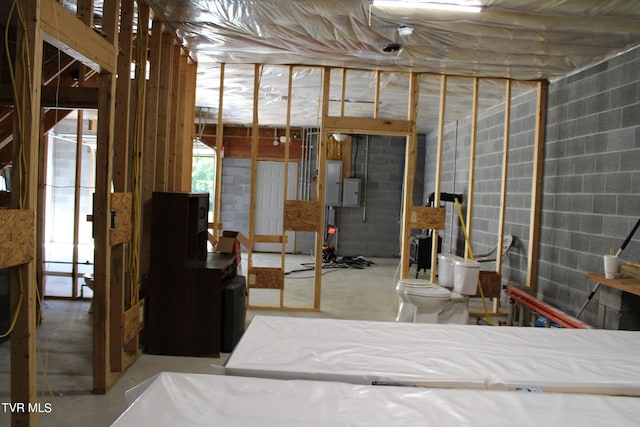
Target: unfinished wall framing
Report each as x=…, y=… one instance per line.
x=118, y=311
x=334, y=102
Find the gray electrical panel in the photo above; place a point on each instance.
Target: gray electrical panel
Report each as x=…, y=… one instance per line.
x=351, y=192
x=333, y=183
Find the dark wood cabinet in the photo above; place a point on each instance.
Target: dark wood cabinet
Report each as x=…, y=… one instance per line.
x=184, y=307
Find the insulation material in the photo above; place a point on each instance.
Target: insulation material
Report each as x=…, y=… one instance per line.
x=436, y=355
x=175, y=399
x=521, y=40
x=517, y=39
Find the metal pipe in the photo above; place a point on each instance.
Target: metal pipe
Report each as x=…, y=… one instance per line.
x=302, y=167
x=366, y=176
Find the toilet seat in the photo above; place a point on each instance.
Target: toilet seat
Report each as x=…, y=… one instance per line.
x=433, y=291
x=418, y=283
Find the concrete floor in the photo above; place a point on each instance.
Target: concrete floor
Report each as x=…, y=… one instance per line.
x=64, y=339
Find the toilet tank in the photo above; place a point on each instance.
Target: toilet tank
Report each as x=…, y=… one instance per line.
x=465, y=276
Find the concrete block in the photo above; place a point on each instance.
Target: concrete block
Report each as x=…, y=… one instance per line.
x=607, y=162
x=591, y=224
x=608, y=120
x=584, y=164
x=630, y=160
x=629, y=205
x=631, y=115
x=604, y=204
x=618, y=183
x=598, y=103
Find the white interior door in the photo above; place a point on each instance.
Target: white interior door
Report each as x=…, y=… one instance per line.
x=270, y=200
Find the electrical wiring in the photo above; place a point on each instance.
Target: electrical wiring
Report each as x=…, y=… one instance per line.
x=134, y=264
x=18, y=111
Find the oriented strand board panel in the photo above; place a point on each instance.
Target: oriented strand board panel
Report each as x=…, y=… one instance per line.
x=301, y=215
x=491, y=283
x=266, y=278
x=427, y=217
x=17, y=237
x=121, y=205
x=133, y=321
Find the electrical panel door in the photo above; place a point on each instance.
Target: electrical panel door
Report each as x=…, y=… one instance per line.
x=333, y=183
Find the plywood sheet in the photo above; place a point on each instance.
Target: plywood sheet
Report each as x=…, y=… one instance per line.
x=266, y=278
x=427, y=217
x=302, y=215
x=17, y=237
x=491, y=283
x=121, y=205
x=133, y=321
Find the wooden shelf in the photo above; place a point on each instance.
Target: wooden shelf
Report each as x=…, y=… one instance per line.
x=623, y=283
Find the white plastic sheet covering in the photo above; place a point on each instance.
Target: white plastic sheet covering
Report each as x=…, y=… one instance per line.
x=184, y=400
x=517, y=39
x=522, y=39
x=435, y=355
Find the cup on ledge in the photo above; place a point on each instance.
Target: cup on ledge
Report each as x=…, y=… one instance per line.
x=610, y=266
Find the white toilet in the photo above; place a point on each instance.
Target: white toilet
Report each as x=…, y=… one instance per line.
x=437, y=304
x=406, y=311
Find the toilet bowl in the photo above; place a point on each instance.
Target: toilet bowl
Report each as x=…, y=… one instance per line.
x=437, y=304
x=406, y=310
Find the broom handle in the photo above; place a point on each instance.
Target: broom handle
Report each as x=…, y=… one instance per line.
x=626, y=241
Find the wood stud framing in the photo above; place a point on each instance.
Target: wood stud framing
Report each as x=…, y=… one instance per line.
x=536, y=186
x=472, y=166
x=219, y=132
x=440, y=149
x=161, y=122
x=27, y=137
x=298, y=215
x=110, y=54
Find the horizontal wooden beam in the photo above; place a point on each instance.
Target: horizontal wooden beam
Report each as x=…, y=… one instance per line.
x=263, y=238
x=58, y=97
x=367, y=126
x=65, y=31
x=70, y=97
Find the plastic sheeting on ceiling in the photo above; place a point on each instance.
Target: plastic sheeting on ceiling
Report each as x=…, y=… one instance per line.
x=517, y=39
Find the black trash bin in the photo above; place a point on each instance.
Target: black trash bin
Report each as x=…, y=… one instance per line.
x=234, y=313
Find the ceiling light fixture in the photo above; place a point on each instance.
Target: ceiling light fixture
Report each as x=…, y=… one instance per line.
x=405, y=30
x=469, y=7
x=339, y=137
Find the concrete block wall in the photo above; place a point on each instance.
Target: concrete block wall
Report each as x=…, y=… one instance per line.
x=373, y=230
x=236, y=194
x=591, y=185
x=484, y=222
x=378, y=234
